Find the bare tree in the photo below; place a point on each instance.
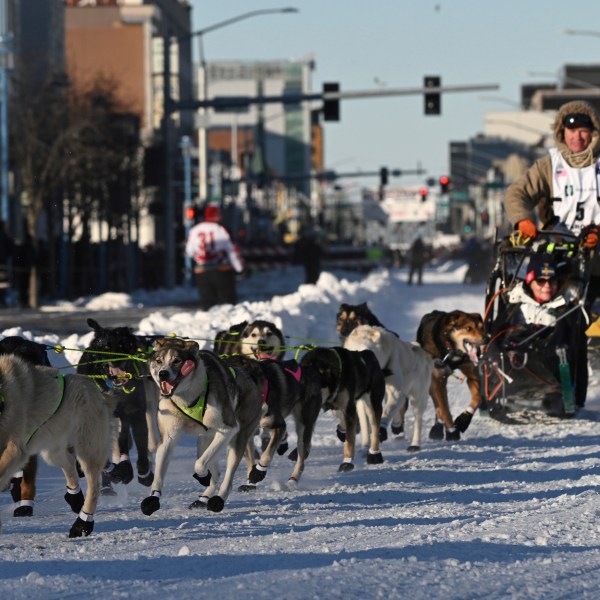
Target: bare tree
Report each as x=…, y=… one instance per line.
x=70, y=144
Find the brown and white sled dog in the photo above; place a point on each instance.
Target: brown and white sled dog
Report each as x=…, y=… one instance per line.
x=411, y=368
x=454, y=340
x=63, y=418
x=202, y=397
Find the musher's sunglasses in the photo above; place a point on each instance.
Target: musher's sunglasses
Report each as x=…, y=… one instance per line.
x=542, y=282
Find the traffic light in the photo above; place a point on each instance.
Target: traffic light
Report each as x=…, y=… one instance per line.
x=423, y=194
x=189, y=212
x=331, y=108
x=383, y=176
x=433, y=101
x=444, y=184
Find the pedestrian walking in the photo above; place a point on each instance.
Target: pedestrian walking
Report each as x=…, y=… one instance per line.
x=216, y=260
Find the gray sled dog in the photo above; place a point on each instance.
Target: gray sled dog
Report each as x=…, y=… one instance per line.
x=258, y=339
x=63, y=418
x=201, y=396
x=411, y=369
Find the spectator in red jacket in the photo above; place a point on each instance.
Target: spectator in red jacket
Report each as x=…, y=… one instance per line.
x=216, y=260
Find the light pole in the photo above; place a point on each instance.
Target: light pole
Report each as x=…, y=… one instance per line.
x=5, y=49
x=576, y=82
x=501, y=99
x=203, y=90
x=186, y=151
x=581, y=32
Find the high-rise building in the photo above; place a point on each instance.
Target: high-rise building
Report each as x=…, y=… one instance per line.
x=273, y=138
x=123, y=41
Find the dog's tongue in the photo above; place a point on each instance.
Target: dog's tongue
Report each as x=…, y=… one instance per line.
x=187, y=367
x=473, y=354
x=166, y=388
x=264, y=355
x=118, y=376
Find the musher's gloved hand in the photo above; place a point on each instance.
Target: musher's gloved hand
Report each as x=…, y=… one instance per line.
x=527, y=228
x=589, y=236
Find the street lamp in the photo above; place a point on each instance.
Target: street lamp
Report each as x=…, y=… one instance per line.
x=581, y=32
x=501, y=99
x=203, y=89
x=576, y=82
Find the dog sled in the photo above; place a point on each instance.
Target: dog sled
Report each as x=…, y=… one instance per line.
x=532, y=372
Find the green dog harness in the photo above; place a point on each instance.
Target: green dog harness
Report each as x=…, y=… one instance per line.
x=195, y=411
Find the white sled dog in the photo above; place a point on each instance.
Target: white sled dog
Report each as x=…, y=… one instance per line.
x=63, y=418
x=202, y=397
x=411, y=368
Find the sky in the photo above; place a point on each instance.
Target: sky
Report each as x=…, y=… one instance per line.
x=394, y=44
x=510, y=511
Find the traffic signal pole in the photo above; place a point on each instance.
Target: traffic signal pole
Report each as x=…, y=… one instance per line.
x=231, y=102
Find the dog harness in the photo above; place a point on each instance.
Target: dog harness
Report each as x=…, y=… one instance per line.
x=329, y=400
x=195, y=411
x=448, y=356
x=297, y=374
x=61, y=384
x=452, y=359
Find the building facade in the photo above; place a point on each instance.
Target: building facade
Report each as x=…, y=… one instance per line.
x=269, y=141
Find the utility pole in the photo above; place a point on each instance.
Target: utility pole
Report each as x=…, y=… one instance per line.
x=5, y=49
x=167, y=192
x=186, y=151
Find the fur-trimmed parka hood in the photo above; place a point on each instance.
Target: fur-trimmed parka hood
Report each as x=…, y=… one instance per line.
x=576, y=106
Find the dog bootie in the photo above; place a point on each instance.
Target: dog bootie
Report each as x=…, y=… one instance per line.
x=341, y=433
x=203, y=479
x=463, y=421
x=75, y=499
x=146, y=479
x=437, y=431
x=283, y=445
x=452, y=435
x=123, y=472
x=245, y=487
x=374, y=458
x=199, y=504
x=383, y=435
x=345, y=467
x=293, y=455
x=257, y=474
x=106, y=488
x=151, y=504
x=83, y=526
x=398, y=429
x=25, y=509
x=15, y=488
x=215, y=504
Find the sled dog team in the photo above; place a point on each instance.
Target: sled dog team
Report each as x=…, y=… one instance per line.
x=122, y=393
